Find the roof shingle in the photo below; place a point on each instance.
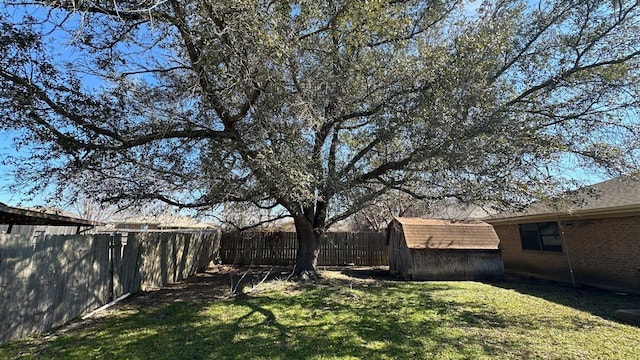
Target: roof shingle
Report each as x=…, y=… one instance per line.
x=621, y=194
x=449, y=235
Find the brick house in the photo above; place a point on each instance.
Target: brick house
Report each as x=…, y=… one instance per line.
x=593, y=238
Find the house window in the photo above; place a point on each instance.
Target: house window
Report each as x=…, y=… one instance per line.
x=540, y=236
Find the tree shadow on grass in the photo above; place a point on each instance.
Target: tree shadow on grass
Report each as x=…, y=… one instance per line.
x=598, y=302
x=335, y=318
x=181, y=331
x=413, y=322
x=358, y=317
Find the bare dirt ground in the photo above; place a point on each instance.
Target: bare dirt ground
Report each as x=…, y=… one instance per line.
x=222, y=281
x=219, y=282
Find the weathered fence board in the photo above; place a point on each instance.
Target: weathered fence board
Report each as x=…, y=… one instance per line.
x=153, y=259
x=47, y=281
x=279, y=248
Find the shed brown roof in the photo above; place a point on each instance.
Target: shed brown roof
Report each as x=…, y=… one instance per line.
x=448, y=235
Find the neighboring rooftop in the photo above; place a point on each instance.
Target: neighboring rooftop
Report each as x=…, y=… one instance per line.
x=163, y=221
x=458, y=212
x=448, y=235
x=40, y=216
x=618, y=196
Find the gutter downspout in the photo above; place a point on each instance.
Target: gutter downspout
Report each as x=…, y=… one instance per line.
x=565, y=249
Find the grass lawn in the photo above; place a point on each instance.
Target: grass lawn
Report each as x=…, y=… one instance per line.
x=349, y=316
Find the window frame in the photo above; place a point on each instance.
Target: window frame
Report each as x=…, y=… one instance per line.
x=533, y=235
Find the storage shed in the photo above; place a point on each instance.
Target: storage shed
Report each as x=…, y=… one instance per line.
x=433, y=249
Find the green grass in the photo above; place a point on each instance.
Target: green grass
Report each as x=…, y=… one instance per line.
x=349, y=318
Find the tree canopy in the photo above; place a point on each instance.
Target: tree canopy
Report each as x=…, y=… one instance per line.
x=318, y=107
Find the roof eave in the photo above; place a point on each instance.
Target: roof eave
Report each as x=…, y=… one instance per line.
x=629, y=210
x=43, y=218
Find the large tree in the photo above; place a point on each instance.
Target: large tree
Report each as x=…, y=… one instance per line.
x=318, y=107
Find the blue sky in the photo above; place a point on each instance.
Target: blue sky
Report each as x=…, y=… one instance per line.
x=5, y=176
x=7, y=149
x=62, y=53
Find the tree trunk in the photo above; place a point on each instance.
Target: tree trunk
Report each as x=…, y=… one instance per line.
x=308, y=249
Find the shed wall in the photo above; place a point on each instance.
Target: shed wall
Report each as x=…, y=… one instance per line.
x=399, y=254
x=455, y=265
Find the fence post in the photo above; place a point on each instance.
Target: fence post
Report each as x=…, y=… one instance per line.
x=112, y=247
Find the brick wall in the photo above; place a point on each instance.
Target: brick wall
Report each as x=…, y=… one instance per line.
x=543, y=263
x=603, y=253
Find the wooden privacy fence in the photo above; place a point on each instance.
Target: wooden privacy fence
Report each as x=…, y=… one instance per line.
x=46, y=281
x=279, y=248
